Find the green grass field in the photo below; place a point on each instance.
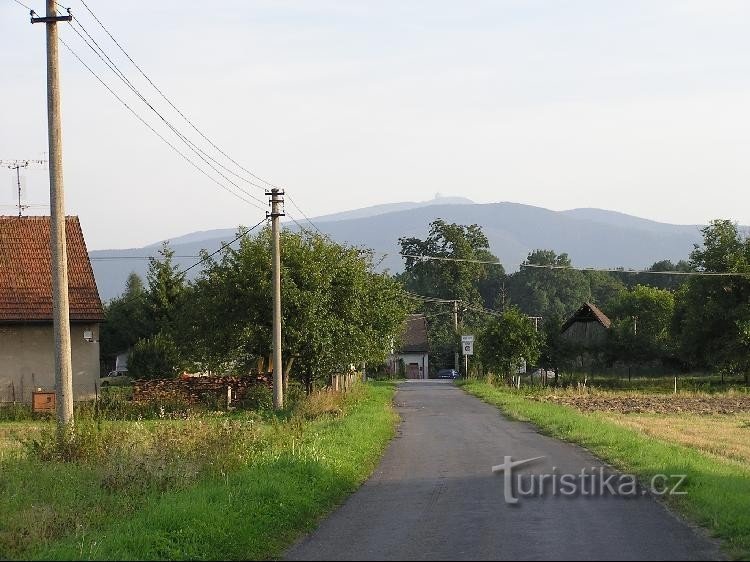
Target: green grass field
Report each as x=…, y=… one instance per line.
x=243, y=488
x=718, y=489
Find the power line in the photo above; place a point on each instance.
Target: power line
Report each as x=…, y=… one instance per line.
x=117, y=258
x=25, y=6
x=223, y=247
x=639, y=271
x=441, y=258
x=189, y=122
x=203, y=155
x=303, y=213
x=102, y=55
x=147, y=124
x=181, y=114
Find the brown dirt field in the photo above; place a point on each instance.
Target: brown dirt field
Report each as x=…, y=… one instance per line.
x=653, y=404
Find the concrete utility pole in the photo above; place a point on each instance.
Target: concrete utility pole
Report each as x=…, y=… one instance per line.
x=60, y=304
x=277, y=200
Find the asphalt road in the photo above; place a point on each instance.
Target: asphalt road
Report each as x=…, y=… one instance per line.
x=435, y=496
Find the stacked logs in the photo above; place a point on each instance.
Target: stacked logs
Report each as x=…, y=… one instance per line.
x=194, y=390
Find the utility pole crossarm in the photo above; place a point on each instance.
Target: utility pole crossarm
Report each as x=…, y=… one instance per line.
x=51, y=19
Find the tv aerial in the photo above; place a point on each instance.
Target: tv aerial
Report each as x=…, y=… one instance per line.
x=19, y=184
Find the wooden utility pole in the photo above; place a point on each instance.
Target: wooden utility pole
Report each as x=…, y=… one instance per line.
x=60, y=304
x=277, y=200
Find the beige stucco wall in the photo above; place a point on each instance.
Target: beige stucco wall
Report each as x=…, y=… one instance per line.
x=27, y=360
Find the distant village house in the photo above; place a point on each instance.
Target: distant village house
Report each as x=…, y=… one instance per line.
x=26, y=335
x=413, y=353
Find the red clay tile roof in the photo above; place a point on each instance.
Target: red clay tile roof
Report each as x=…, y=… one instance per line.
x=589, y=312
x=25, y=272
x=415, y=334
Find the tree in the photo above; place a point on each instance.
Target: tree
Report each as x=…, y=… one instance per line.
x=336, y=311
x=556, y=352
x=126, y=320
x=165, y=287
x=641, y=325
x=452, y=280
x=712, y=313
x=604, y=288
x=156, y=357
x=549, y=292
x=475, y=284
x=507, y=341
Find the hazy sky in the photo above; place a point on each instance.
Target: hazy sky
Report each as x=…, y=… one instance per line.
x=637, y=106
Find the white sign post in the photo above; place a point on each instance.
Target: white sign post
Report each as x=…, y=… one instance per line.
x=467, y=344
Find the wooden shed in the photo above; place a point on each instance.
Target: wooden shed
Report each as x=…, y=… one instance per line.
x=588, y=327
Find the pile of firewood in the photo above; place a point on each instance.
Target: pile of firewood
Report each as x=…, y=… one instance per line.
x=194, y=390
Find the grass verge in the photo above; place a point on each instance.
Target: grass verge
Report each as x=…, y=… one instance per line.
x=718, y=491
x=294, y=470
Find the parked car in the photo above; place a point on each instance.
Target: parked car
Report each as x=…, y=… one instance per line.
x=447, y=374
x=116, y=378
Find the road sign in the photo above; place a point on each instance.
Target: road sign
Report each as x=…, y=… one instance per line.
x=468, y=347
x=467, y=339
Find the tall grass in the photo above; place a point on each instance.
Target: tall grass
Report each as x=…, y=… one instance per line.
x=239, y=486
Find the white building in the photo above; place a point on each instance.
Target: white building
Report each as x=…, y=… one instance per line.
x=413, y=353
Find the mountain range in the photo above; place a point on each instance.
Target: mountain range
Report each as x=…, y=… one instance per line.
x=592, y=237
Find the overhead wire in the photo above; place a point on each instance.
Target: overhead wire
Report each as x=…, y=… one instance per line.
x=291, y=200
x=179, y=112
x=190, y=122
x=206, y=158
x=24, y=5
x=223, y=247
x=153, y=130
x=202, y=154
x=639, y=271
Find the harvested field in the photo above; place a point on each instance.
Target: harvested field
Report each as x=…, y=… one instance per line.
x=652, y=404
x=725, y=437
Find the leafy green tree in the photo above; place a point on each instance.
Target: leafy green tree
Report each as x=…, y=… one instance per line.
x=126, y=320
x=604, y=288
x=712, y=313
x=661, y=281
x=453, y=280
x=166, y=286
x=556, y=352
x=549, y=292
x=507, y=341
x=336, y=311
x=476, y=285
x=156, y=357
x=641, y=325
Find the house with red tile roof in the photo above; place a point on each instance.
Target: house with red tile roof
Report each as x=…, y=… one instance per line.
x=26, y=334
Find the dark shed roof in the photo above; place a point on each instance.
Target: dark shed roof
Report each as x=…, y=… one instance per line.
x=415, y=335
x=587, y=313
